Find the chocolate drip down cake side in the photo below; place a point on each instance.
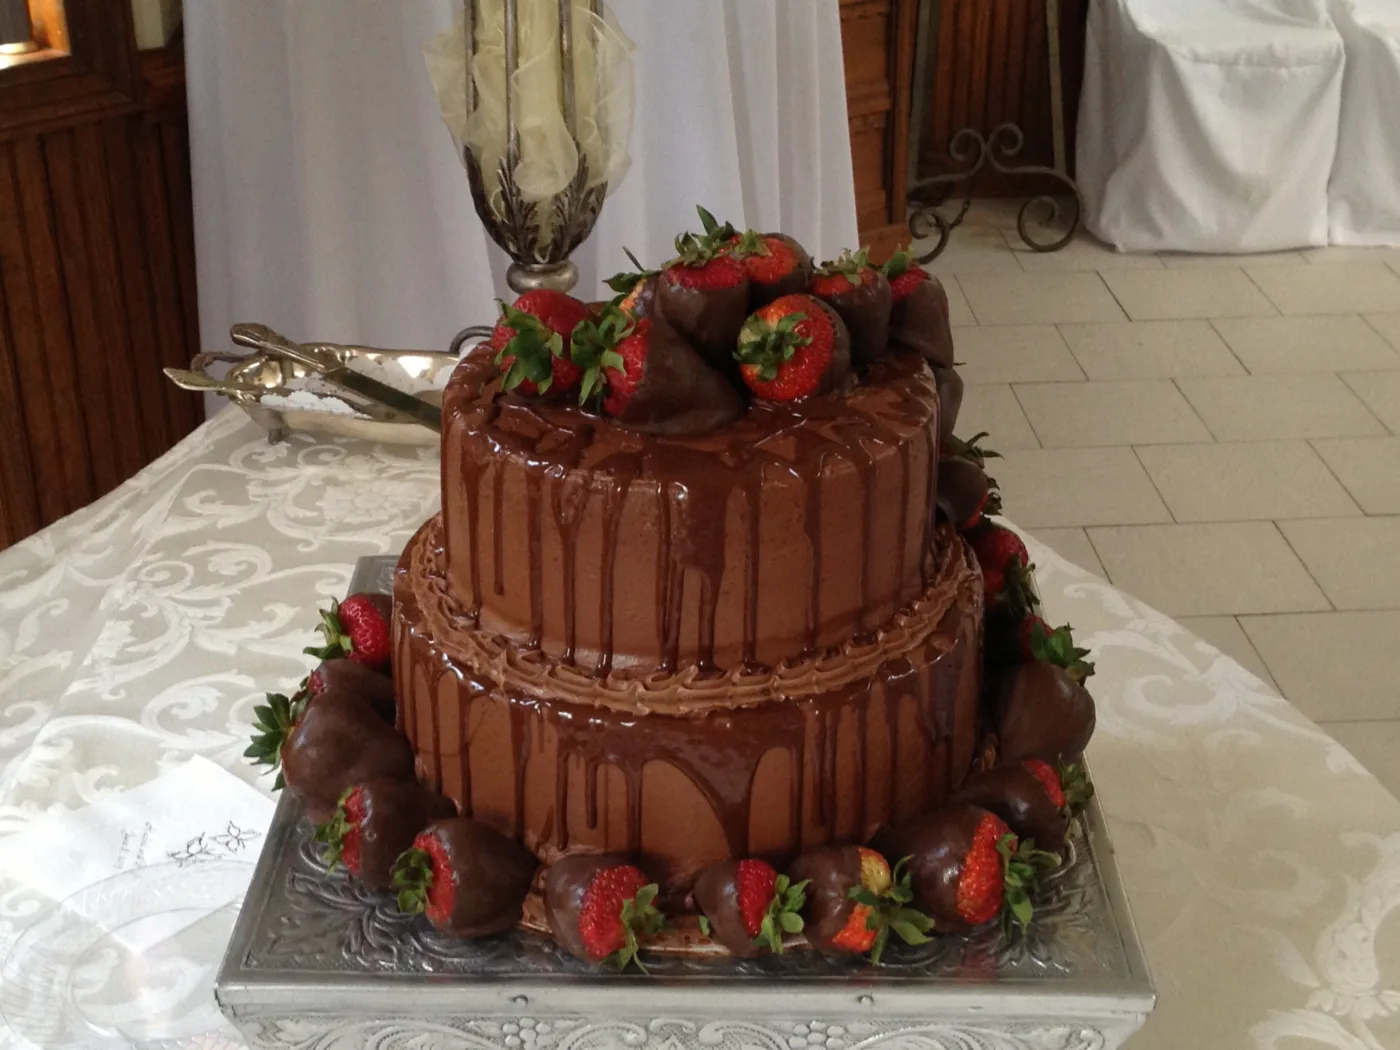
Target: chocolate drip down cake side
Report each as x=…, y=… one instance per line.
x=693, y=657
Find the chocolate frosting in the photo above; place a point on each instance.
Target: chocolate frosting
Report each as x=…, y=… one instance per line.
x=936, y=845
x=565, y=883
x=347, y=677
x=678, y=394
x=919, y=323
x=1014, y=794
x=491, y=875
x=1041, y=712
x=865, y=308
x=338, y=742
x=395, y=811
x=962, y=486
x=950, y=398
x=717, y=895
x=762, y=294
x=830, y=873
x=709, y=318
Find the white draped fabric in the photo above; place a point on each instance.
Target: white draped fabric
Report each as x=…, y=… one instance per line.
x=330, y=203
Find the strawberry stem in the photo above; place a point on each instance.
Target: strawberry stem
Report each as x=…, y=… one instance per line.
x=783, y=913
x=768, y=345
x=640, y=919
x=412, y=878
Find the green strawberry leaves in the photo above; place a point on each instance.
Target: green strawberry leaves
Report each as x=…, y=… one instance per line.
x=593, y=348
x=332, y=833
x=273, y=723
x=1057, y=647
x=699, y=249
x=622, y=283
x=640, y=919
x=971, y=450
x=531, y=351
x=704, y=924
x=890, y=911
x=749, y=243
x=783, y=914
x=768, y=345
x=1077, y=787
x=338, y=643
x=897, y=264
x=1021, y=865
x=413, y=877
x=849, y=264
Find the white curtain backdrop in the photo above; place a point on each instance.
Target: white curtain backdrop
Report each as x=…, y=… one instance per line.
x=330, y=203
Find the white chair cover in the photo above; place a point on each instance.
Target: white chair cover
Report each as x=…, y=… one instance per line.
x=1364, y=197
x=1209, y=125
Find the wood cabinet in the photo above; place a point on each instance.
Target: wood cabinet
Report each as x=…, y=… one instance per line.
x=97, y=275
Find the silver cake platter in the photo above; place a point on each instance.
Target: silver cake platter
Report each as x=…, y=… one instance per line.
x=318, y=962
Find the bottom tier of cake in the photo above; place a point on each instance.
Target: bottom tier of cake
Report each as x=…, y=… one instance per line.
x=685, y=769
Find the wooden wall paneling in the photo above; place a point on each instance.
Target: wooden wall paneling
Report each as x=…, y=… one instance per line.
x=175, y=147
x=145, y=361
x=19, y=499
x=50, y=305
x=105, y=288
x=90, y=357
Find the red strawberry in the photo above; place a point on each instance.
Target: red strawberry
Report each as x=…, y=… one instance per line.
x=854, y=901
x=794, y=347
x=531, y=339
x=861, y=295
x=649, y=378
x=374, y=823
x=919, y=321
x=997, y=547
x=358, y=629
x=637, y=289
x=968, y=868
x=747, y=906
x=1034, y=798
x=776, y=264
x=704, y=292
x=601, y=908
x=468, y=879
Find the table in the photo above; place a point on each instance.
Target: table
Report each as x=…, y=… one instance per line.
x=1262, y=862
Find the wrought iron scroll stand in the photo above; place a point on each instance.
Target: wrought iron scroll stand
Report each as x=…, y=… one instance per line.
x=973, y=151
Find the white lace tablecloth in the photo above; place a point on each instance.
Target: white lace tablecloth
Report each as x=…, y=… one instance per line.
x=1262, y=862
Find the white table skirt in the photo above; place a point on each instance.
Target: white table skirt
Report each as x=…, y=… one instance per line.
x=1262, y=862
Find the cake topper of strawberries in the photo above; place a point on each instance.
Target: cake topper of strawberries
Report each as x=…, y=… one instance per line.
x=968, y=868
x=602, y=908
x=854, y=901
x=776, y=264
x=636, y=289
x=704, y=292
x=357, y=629
x=794, y=347
x=860, y=293
x=647, y=377
x=374, y=823
x=1035, y=799
x=468, y=879
x=531, y=342
x=919, y=321
x=747, y=906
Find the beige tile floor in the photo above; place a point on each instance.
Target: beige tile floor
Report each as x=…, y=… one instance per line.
x=1218, y=436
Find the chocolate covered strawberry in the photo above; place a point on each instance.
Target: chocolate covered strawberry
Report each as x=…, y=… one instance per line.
x=950, y=398
x=704, y=293
x=1040, y=710
x=972, y=449
x=919, y=320
x=374, y=823
x=348, y=676
x=965, y=493
x=1035, y=799
x=637, y=289
x=468, y=879
x=531, y=341
x=854, y=901
x=967, y=867
x=601, y=907
x=1000, y=553
x=647, y=377
x=327, y=743
x=357, y=629
x=776, y=264
x=794, y=347
x=748, y=907
x=861, y=295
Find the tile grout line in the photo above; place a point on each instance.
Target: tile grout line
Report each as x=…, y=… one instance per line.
x=1175, y=382
x=956, y=279
x=1273, y=677
x=1331, y=605
x=1210, y=323
x=1095, y=548
x=1118, y=302
x=1366, y=320
x=1278, y=310
x=1153, y=482
x=1025, y=415
x=1310, y=442
x=1342, y=377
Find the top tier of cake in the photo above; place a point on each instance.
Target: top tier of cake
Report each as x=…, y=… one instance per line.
x=791, y=531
